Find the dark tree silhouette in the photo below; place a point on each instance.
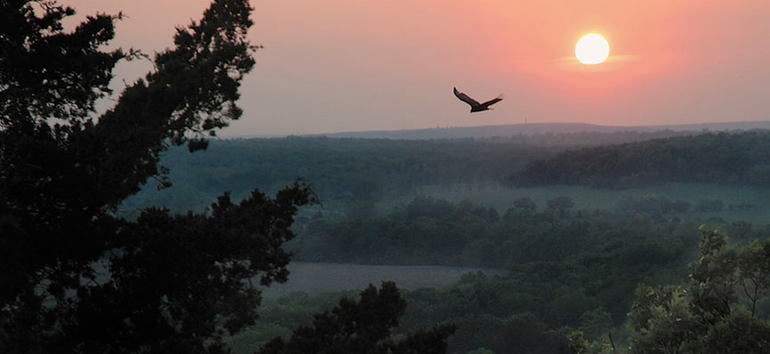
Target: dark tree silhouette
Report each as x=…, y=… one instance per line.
x=76, y=277
x=363, y=327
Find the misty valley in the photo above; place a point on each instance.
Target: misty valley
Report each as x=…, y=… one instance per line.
x=140, y=213
x=532, y=243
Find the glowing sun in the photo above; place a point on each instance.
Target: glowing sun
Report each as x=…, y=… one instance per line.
x=592, y=49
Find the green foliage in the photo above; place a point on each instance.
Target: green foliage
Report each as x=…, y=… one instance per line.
x=253, y=338
x=661, y=321
x=437, y=232
x=710, y=316
x=724, y=158
x=576, y=272
x=652, y=205
x=738, y=333
x=594, y=322
x=755, y=273
x=428, y=207
x=714, y=276
x=577, y=343
x=589, y=288
x=709, y=205
x=759, y=175
x=560, y=205
x=362, y=170
x=362, y=326
x=341, y=170
x=526, y=204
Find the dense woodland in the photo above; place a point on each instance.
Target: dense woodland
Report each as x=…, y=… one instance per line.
x=723, y=158
x=358, y=169
x=432, y=231
x=569, y=270
x=337, y=168
x=574, y=273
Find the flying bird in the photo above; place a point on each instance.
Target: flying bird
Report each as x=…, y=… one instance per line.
x=475, y=105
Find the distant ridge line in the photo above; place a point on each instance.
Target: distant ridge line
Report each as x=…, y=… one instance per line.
x=489, y=131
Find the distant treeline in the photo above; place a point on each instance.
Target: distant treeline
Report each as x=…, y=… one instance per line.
x=723, y=158
x=431, y=231
x=338, y=169
x=589, y=138
x=355, y=169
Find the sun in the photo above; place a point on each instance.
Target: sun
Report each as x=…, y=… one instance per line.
x=592, y=49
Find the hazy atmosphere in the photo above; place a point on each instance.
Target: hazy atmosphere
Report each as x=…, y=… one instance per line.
x=437, y=177
x=386, y=65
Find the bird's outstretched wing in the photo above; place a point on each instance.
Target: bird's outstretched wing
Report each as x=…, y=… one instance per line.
x=465, y=98
x=491, y=102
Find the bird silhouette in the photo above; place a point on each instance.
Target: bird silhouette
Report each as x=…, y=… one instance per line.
x=475, y=105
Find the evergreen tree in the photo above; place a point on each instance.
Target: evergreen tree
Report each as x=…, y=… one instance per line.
x=75, y=277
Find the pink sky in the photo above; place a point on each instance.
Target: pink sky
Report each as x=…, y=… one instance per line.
x=353, y=65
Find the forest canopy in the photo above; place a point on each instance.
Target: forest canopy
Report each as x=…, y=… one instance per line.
x=722, y=158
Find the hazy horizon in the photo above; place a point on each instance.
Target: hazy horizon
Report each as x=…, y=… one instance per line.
x=762, y=124
x=339, y=66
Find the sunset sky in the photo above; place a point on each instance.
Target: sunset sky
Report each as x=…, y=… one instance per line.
x=353, y=65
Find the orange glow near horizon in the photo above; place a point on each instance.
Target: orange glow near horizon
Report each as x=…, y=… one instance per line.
x=390, y=62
